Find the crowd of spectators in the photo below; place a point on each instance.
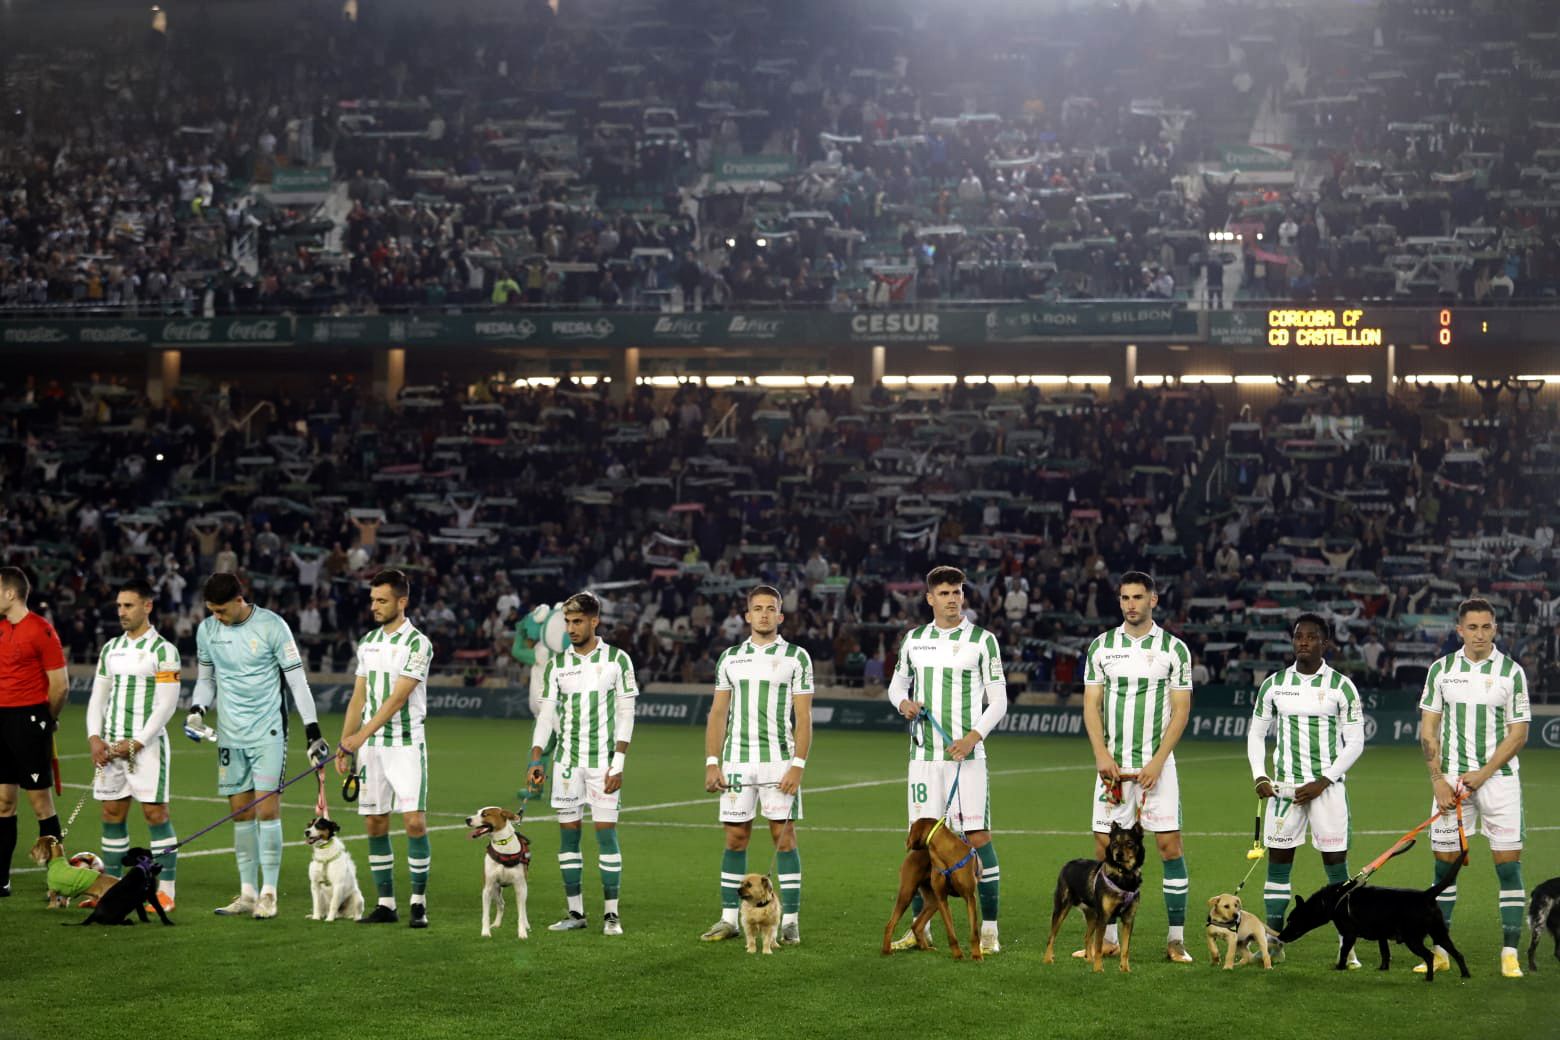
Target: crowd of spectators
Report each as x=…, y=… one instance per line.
x=913, y=158
x=1381, y=514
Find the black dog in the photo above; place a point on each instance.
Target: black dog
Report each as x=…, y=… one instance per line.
x=1544, y=914
x=1105, y=890
x=131, y=892
x=1386, y=915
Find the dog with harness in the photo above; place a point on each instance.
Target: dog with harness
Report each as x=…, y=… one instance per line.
x=1107, y=891
x=504, y=865
x=937, y=861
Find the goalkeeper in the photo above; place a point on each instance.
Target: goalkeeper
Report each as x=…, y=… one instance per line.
x=243, y=652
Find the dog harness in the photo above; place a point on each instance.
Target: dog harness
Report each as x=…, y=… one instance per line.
x=967, y=856
x=340, y=848
x=70, y=881
x=511, y=859
x=1231, y=926
x=1128, y=895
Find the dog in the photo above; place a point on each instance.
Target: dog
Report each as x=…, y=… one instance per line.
x=937, y=861
x=760, y=911
x=332, y=874
x=1105, y=890
x=1238, y=927
x=135, y=891
x=1544, y=913
x=505, y=865
x=1387, y=915
x=66, y=880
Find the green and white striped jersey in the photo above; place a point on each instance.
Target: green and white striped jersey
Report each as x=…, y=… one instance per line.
x=585, y=689
x=762, y=680
x=947, y=670
x=382, y=659
x=1138, y=675
x=134, y=666
x=1309, y=713
x=1477, y=702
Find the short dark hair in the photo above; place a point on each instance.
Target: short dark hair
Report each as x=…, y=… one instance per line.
x=399, y=584
x=582, y=603
x=1474, y=605
x=1311, y=617
x=221, y=588
x=15, y=579
x=945, y=575
x=1135, y=578
x=764, y=590
x=139, y=586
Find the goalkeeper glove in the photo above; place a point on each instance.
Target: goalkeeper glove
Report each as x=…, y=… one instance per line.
x=195, y=725
x=319, y=751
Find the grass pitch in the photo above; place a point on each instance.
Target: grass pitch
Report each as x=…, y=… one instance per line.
x=243, y=978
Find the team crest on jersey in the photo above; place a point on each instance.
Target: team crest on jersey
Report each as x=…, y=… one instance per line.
x=254, y=646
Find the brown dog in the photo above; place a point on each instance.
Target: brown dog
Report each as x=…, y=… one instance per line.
x=65, y=881
x=1237, y=927
x=760, y=911
x=937, y=862
x=1105, y=890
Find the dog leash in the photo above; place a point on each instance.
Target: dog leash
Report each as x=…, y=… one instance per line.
x=70, y=821
x=245, y=808
x=351, y=785
x=1405, y=843
x=953, y=791
x=1256, y=847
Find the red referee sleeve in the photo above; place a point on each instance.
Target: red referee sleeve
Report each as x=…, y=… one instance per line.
x=50, y=652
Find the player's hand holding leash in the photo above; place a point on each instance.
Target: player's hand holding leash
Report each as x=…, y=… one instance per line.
x=1445, y=795
x=1265, y=788
x=195, y=725
x=99, y=749
x=964, y=747
x=714, y=783
x=1106, y=766
x=319, y=749
x=1312, y=790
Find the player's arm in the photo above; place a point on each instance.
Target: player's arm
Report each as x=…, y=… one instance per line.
x=285, y=649
x=1094, y=715
x=715, y=727
x=353, y=720
x=546, y=724
x=901, y=685
x=59, y=690
x=1180, y=713
x=165, y=697
x=801, y=707
x=1430, y=712
x=414, y=672
x=51, y=653
x=1351, y=737
x=623, y=700
x=994, y=685
x=1518, y=714
x=97, y=705
x=1256, y=740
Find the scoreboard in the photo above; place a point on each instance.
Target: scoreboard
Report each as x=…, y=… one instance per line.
x=1367, y=326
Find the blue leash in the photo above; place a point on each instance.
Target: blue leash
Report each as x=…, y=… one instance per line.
x=947, y=739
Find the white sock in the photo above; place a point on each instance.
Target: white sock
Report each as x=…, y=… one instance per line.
x=1110, y=935
x=1504, y=950
x=784, y=918
x=387, y=901
x=1177, y=933
x=731, y=916
x=248, y=892
x=268, y=890
x=609, y=906
x=988, y=926
x=577, y=904
x=166, y=888
x=419, y=899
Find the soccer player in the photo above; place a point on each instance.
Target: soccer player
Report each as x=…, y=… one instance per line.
x=1319, y=732
x=33, y=688
x=134, y=694
x=384, y=727
x=950, y=668
x=753, y=754
x=243, y=653
x=588, y=701
x=1137, y=696
x=1473, y=719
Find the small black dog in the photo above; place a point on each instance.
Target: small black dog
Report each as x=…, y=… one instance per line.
x=1386, y=915
x=132, y=892
x=1544, y=915
x=1106, y=890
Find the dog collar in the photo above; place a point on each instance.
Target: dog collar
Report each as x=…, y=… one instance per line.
x=1233, y=926
x=340, y=849
x=764, y=903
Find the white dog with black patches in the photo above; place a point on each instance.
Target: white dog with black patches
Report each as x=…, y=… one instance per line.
x=332, y=874
x=504, y=866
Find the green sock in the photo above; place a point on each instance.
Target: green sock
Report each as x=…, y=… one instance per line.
x=990, y=881
x=116, y=842
x=789, y=866
x=916, y=903
x=569, y=860
x=1447, y=900
x=1276, y=893
x=418, y=855
x=1176, y=885
x=1337, y=873
x=163, y=842
x=609, y=857
x=246, y=850
x=1511, y=899
x=381, y=863
x=733, y=867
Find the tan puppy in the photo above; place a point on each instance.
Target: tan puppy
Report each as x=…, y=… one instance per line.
x=760, y=911
x=1237, y=927
x=65, y=881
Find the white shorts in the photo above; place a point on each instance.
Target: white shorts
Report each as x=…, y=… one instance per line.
x=931, y=783
x=1494, y=810
x=392, y=779
x=1326, y=816
x=575, y=787
x=754, y=786
x=1160, y=808
x=147, y=782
